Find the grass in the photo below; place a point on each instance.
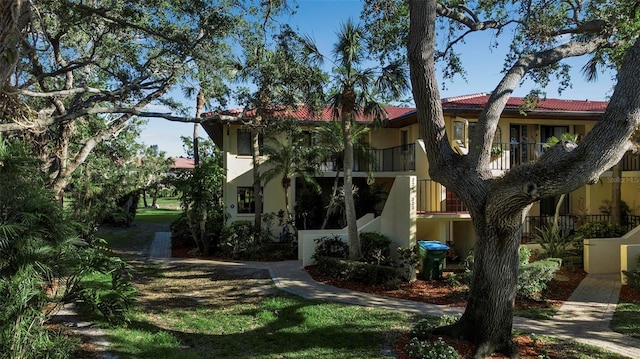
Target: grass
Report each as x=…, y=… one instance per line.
x=186, y=311
x=537, y=313
x=626, y=319
x=117, y=238
x=168, y=211
x=569, y=349
x=153, y=215
x=190, y=312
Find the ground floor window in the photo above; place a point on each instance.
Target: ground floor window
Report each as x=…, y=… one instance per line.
x=246, y=200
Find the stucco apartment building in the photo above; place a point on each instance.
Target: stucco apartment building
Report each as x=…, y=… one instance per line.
x=422, y=208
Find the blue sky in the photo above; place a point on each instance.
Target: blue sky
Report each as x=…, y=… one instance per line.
x=322, y=18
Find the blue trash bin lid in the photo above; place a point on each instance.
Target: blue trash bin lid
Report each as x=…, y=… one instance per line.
x=433, y=245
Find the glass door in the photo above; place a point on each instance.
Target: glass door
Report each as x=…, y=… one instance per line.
x=518, y=144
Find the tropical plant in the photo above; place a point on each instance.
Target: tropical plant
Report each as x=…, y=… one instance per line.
x=43, y=261
x=354, y=94
x=331, y=144
x=201, y=199
x=283, y=76
x=556, y=243
x=289, y=160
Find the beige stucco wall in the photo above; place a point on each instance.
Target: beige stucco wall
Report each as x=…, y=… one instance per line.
x=629, y=260
x=603, y=255
x=397, y=221
x=384, y=137
x=458, y=230
x=596, y=194
x=398, y=218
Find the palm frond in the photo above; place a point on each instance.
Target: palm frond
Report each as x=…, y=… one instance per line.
x=590, y=69
x=394, y=79
x=349, y=49
x=311, y=51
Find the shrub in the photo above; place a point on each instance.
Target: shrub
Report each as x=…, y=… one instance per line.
x=356, y=271
x=524, y=254
x=420, y=347
x=601, y=229
x=408, y=262
x=201, y=201
x=237, y=238
x=556, y=243
x=533, y=277
x=180, y=230
x=331, y=247
x=42, y=259
x=375, y=248
x=439, y=349
x=633, y=278
x=423, y=329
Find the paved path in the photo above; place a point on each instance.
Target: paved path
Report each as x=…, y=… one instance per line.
x=585, y=317
x=161, y=246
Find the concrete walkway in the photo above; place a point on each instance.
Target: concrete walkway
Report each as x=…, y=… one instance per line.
x=585, y=317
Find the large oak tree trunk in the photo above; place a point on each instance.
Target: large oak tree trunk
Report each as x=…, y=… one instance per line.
x=497, y=205
x=488, y=317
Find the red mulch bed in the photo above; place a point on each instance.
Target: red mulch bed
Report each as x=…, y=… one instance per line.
x=438, y=292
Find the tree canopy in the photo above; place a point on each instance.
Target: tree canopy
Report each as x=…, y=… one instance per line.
x=543, y=34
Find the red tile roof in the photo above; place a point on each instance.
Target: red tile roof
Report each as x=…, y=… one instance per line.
x=478, y=101
x=182, y=163
x=472, y=102
x=304, y=113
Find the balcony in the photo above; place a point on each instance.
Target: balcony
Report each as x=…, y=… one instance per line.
x=434, y=198
x=393, y=159
x=507, y=155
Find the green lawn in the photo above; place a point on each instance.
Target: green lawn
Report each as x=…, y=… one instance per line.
x=169, y=210
x=201, y=312
x=156, y=215
x=277, y=327
x=626, y=319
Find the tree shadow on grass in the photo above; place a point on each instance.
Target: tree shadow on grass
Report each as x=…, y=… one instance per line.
x=301, y=328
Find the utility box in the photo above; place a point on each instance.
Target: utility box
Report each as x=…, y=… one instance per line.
x=431, y=255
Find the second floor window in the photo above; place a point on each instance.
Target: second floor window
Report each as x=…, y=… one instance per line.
x=244, y=142
x=404, y=140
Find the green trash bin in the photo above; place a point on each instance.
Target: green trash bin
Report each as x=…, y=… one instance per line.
x=431, y=256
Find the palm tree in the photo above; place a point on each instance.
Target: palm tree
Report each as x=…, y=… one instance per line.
x=290, y=160
x=285, y=75
x=332, y=146
x=355, y=91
